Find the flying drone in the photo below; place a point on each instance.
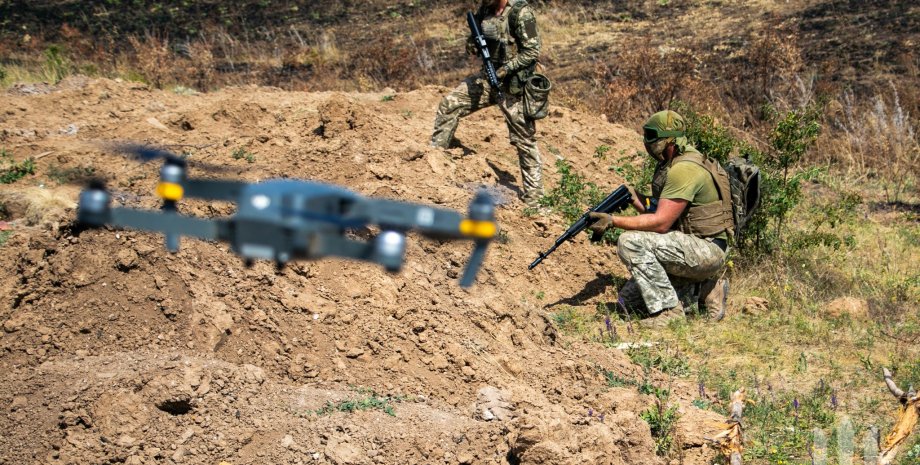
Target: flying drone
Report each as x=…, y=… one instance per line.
x=289, y=219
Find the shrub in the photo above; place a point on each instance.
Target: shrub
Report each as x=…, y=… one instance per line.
x=662, y=421
x=793, y=134
x=243, y=154
x=56, y=66
x=573, y=195
x=10, y=171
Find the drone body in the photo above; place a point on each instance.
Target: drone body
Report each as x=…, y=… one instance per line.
x=288, y=219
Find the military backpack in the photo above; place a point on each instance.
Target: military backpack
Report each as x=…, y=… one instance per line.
x=744, y=177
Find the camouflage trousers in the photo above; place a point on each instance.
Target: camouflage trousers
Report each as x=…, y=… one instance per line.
x=473, y=94
x=664, y=268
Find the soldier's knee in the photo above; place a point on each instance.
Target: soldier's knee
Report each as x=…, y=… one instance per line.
x=444, y=108
x=630, y=240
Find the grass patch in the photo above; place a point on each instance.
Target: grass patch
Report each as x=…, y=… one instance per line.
x=243, y=154
x=70, y=175
x=662, y=420
x=11, y=171
x=367, y=400
x=5, y=236
x=667, y=360
x=572, y=322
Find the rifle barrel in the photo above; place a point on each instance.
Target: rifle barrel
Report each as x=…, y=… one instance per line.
x=617, y=200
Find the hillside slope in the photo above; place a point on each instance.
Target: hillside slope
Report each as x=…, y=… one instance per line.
x=114, y=351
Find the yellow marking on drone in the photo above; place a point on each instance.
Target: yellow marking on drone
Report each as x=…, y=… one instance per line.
x=478, y=229
x=170, y=191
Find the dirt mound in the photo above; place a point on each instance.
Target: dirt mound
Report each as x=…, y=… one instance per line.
x=114, y=350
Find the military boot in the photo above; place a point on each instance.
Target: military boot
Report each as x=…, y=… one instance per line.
x=663, y=318
x=714, y=297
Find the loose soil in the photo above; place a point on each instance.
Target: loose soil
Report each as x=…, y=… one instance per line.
x=115, y=351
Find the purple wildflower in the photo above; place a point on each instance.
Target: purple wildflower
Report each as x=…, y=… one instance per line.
x=590, y=412
x=601, y=417
x=795, y=404
x=834, y=400
x=607, y=322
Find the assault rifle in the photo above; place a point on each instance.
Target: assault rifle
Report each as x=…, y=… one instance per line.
x=480, y=42
x=618, y=200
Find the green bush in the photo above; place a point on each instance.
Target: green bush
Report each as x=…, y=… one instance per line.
x=782, y=175
x=662, y=421
x=56, y=66
x=10, y=171
x=243, y=154
x=573, y=195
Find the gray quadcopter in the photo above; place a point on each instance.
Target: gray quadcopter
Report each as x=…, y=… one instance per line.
x=288, y=219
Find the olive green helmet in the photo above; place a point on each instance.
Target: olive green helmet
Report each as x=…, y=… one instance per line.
x=662, y=129
x=664, y=124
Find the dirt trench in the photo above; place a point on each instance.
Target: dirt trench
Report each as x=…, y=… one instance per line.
x=114, y=351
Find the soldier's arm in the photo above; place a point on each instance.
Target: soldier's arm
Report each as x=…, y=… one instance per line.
x=669, y=210
x=528, y=41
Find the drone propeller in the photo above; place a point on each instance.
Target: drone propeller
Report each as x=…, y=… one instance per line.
x=480, y=225
x=146, y=153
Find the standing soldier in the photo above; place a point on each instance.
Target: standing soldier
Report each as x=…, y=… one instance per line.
x=510, y=29
x=681, y=246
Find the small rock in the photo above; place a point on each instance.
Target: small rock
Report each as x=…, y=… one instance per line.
x=126, y=259
x=855, y=308
x=125, y=441
x=179, y=454
x=288, y=442
x=465, y=458
x=755, y=306
x=18, y=403
x=354, y=352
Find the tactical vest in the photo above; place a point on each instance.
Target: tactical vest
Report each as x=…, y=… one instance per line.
x=497, y=31
x=701, y=220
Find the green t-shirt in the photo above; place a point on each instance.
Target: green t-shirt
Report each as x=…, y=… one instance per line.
x=691, y=182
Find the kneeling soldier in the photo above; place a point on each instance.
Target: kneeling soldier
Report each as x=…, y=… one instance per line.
x=681, y=246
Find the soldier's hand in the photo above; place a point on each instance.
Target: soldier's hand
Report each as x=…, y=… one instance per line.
x=501, y=72
x=471, y=48
x=636, y=199
x=602, y=221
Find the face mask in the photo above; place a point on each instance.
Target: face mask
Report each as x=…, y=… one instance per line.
x=656, y=148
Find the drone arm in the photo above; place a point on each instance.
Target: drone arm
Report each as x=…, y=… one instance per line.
x=428, y=221
x=388, y=248
x=167, y=223
x=214, y=189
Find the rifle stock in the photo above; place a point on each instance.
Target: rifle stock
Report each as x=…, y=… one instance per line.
x=616, y=201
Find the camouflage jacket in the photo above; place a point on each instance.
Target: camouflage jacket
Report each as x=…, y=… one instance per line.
x=512, y=37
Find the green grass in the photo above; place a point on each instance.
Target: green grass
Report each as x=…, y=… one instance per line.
x=796, y=352
x=243, y=154
x=5, y=236
x=11, y=171
x=69, y=175
x=368, y=400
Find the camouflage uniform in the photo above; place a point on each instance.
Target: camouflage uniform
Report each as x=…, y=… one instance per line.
x=514, y=45
x=666, y=267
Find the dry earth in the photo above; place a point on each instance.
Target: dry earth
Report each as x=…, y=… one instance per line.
x=114, y=351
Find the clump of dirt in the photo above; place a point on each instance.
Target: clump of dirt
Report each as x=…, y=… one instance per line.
x=114, y=350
